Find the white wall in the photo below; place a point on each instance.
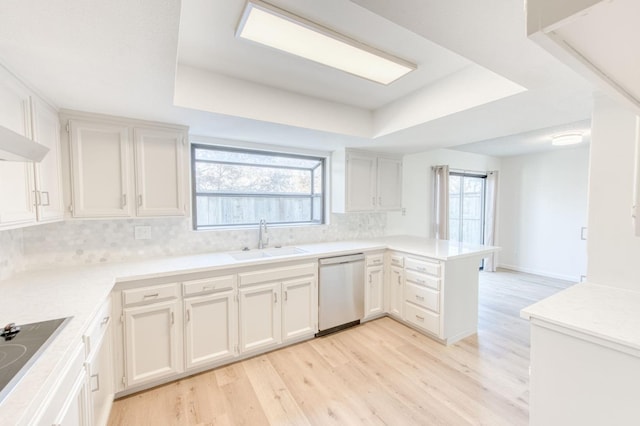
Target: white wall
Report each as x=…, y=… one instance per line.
x=613, y=250
x=417, y=187
x=542, y=207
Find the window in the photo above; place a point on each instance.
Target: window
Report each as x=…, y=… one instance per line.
x=235, y=187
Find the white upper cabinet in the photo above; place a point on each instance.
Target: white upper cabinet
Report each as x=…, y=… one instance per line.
x=100, y=169
x=48, y=178
x=597, y=38
x=160, y=172
x=122, y=169
x=361, y=182
x=389, y=180
x=364, y=181
x=17, y=197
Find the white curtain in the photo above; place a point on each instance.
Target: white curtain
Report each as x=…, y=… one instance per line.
x=490, y=218
x=441, y=202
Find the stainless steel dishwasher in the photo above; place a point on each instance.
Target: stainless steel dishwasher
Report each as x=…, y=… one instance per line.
x=341, y=293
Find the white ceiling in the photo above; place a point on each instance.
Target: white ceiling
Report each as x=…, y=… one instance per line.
x=120, y=57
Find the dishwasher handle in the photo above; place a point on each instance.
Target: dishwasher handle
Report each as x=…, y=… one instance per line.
x=342, y=259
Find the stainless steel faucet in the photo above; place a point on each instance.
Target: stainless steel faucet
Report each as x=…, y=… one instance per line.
x=263, y=235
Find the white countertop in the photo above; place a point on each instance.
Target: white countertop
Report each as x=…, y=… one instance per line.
x=80, y=291
x=608, y=313
x=437, y=249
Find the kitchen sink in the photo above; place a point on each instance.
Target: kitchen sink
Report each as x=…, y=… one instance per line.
x=270, y=252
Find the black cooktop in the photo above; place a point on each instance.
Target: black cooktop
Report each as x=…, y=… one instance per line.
x=20, y=348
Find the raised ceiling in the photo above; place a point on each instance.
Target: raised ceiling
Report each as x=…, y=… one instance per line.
x=166, y=61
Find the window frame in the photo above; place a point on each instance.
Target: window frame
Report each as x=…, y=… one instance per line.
x=324, y=195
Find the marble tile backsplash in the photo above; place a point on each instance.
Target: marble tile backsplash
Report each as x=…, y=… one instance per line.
x=74, y=242
x=11, y=253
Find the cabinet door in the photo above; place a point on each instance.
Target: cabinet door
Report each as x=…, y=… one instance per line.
x=299, y=308
x=46, y=131
x=374, y=291
x=100, y=164
x=260, y=317
x=160, y=172
x=152, y=347
x=389, y=183
x=361, y=182
x=74, y=410
x=16, y=178
x=210, y=328
x=396, y=282
x=101, y=385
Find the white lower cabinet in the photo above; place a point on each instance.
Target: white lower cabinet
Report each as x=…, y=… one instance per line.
x=299, y=308
x=277, y=306
x=152, y=342
x=395, y=291
x=67, y=403
x=374, y=286
x=260, y=317
x=166, y=334
x=211, y=328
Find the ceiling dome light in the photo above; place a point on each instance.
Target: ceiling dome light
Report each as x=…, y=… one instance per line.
x=566, y=139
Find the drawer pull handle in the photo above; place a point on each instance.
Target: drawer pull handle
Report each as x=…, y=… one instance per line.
x=286, y=296
x=188, y=315
x=97, y=377
x=275, y=297
x=419, y=297
x=173, y=320
x=151, y=295
x=421, y=281
x=419, y=317
x=208, y=287
x=421, y=269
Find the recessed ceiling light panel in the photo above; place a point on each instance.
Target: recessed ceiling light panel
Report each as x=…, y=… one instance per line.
x=277, y=28
x=566, y=139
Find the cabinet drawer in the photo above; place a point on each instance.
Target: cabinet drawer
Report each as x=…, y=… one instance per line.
x=153, y=294
x=422, y=296
x=276, y=274
x=422, y=279
x=424, y=266
x=396, y=260
x=422, y=318
x=98, y=327
x=375, y=259
x=208, y=285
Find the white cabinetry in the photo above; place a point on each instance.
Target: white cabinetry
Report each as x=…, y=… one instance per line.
x=67, y=403
x=374, y=286
x=395, y=285
x=299, y=308
x=16, y=178
x=29, y=192
x=365, y=181
x=113, y=177
x=210, y=318
x=152, y=333
x=100, y=169
x=260, y=317
x=277, y=305
x=99, y=365
x=48, y=176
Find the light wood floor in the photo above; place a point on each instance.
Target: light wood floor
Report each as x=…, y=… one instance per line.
x=380, y=372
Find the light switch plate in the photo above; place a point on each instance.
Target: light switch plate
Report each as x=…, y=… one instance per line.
x=142, y=232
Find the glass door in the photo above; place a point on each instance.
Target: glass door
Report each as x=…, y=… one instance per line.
x=466, y=207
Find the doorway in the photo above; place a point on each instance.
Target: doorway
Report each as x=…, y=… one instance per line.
x=467, y=207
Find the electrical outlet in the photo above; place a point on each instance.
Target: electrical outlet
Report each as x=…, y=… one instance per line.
x=142, y=232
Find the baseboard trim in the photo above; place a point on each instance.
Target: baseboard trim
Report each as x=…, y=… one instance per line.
x=540, y=272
